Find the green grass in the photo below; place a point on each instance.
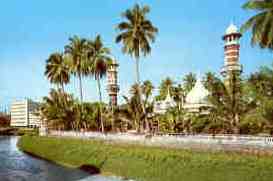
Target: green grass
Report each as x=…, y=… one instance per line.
x=150, y=164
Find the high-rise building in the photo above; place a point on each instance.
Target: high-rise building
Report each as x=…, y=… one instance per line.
x=232, y=52
x=24, y=114
x=113, y=87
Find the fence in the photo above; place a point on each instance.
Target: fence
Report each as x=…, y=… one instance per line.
x=240, y=143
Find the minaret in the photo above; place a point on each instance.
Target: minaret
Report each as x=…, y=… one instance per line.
x=232, y=52
x=113, y=88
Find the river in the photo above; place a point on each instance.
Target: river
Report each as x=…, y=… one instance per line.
x=18, y=166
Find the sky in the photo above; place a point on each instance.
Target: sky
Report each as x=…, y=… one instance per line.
x=189, y=40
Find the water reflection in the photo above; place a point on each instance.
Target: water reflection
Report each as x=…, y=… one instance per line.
x=17, y=166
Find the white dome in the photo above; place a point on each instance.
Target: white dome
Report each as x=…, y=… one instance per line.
x=198, y=95
x=232, y=29
x=162, y=106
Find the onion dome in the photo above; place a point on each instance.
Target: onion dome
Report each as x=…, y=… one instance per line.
x=169, y=102
x=232, y=29
x=161, y=107
x=198, y=95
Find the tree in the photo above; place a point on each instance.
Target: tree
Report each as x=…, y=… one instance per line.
x=260, y=92
x=261, y=24
x=99, y=57
x=228, y=101
x=178, y=95
x=147, y=90
x=57, y=71
x=136, y=34
x=76, y=49
x=132, y=111
x=59, y=110
x=166, y=85
x=189, y=81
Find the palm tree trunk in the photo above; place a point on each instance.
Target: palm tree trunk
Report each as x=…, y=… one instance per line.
x=81, y=97
x=137, y=71
x=62, y=87
x=100, y=97
x=80, y=83
x=140, y=93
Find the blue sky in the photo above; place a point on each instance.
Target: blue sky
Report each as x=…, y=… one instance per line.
x=189, y=39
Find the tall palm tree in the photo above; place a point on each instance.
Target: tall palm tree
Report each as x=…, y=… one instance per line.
x=261, y=24
x=136, y=34
x=76, y=49
x=99, y=57
x=57, y=71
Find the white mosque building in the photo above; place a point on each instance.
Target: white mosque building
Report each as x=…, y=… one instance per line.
x=161, y=107
x=197, y=99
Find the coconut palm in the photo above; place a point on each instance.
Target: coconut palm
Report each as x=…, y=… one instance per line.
x=136, y=35
x=57, y=71
x=261, y=24
x=189, y=81
x=58, y=109
x=178, y=95
x=76, y=49
x=147, y=90
x=167, y=85
x=228, y=101
x=99, y=58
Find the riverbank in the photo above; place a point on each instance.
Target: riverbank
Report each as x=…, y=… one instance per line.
x=147, y=163
x=10, y=131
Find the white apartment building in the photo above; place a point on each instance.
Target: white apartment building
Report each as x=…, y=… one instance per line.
x=24, y=114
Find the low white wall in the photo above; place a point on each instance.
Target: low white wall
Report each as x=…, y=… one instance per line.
x=218, y=142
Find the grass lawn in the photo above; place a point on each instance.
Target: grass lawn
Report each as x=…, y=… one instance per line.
x=150, y=164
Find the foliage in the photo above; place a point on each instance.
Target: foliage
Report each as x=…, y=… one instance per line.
x=61, y=111
x=189, y=81
x=261, y=23
x=166, y=86
x=136, y=32
x=4, y=120
x=57, y=69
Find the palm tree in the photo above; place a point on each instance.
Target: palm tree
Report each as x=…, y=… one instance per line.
x=178, y=96
x=76, y=49
x=167, y=85
x=261, y=24
x=99, y=57
x=189, y=81
x=147, y=90
x=132, y=111
x=58, y=110
x=228, y=101
x=136, y=34
x=57, y=70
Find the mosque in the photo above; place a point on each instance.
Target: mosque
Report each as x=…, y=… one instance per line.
x=197, y=99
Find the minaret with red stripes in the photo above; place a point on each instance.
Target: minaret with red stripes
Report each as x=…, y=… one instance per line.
x=232, y=52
